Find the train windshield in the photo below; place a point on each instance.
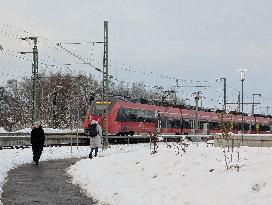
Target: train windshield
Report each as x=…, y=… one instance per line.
x=99, y=107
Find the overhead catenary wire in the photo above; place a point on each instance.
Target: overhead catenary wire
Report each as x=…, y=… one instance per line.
x=122, y=65
x=86, y=61
x=47, y=64
x=79, y=57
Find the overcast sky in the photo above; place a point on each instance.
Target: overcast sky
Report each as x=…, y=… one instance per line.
x=194, y=40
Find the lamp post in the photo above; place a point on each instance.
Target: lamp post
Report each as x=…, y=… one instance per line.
x=242, y=78
x=254, y=102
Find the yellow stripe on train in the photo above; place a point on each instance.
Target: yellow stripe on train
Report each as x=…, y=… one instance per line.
x=103, y=102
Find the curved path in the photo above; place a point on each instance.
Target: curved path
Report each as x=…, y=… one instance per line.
x=43, y=184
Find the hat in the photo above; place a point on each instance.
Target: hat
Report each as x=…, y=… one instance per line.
x=94, y=118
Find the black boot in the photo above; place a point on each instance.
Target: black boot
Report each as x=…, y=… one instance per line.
x=91, y=153
x=95, y=151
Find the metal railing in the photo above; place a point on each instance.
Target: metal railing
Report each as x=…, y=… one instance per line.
x=17, y=139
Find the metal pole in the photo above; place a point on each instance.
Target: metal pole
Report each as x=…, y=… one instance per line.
x=78, y=108
x=196, y=116
x=242, y=110
x=225, y=93
x=177, y=82
x=34, y=77
x=106, y=78
x=71, y=145
x=239, y=102
x=267, y=110
x=196, y=113
x=253, y=105
x=78, y=113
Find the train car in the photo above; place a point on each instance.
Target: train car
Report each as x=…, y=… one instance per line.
x=125, y=118
x=262, y=125
x=129, y=118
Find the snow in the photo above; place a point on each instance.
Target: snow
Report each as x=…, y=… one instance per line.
x=12, y=158
x=129, y=174
x=50, y=130
x=2, y=130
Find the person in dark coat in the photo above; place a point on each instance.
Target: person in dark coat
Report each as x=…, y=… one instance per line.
x=37, y=141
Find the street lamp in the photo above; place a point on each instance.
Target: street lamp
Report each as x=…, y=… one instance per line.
x=254, y=102
x=242, y=78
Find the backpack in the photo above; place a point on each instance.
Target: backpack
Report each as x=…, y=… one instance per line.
x=93, y=130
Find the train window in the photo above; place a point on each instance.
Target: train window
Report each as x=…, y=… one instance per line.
x=141, y=116
x=265, y=128
x=149, y=115
x=215, y=125
x=187, y=124
x=132, y=114
x=170, y=123
x=163, y=122
x=246, y=126
x=235, y=126
x=177, y=123
x=121, y=117
x=126, y=114
x=201, y=124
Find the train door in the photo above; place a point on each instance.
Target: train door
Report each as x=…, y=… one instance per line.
x=192, y=122
x=250, y=128
x=206, y=128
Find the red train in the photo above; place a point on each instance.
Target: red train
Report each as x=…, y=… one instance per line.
x=129, y=118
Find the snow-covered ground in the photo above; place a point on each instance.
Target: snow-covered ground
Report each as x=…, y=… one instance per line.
x=12, y=158
x=130, y=175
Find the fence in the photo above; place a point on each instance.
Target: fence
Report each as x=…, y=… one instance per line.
x=249, y=140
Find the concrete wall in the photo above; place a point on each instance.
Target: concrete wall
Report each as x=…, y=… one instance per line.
x=49, y=140
x=256, y=140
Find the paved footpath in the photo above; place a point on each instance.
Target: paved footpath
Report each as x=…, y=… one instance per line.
x=43, y=184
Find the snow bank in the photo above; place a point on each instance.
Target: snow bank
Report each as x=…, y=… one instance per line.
x=12, y=158
x=131, y=175
x=2, y=130
x=25, y=130
x=50, y=130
